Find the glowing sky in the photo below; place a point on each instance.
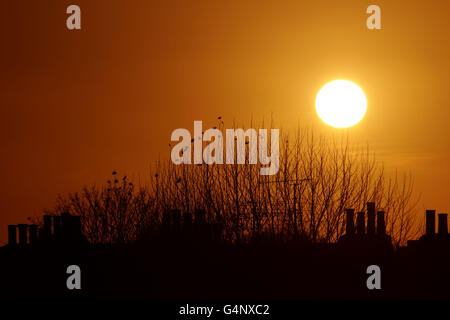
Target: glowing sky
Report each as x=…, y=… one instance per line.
x=76, y=105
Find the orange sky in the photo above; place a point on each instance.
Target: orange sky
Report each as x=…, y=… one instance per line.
x=76, y=105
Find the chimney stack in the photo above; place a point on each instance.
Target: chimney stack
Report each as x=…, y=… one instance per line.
x=360, y=223
x=56, y=224
x=430, y=222
x=76, y=224
x=442, y=224
x=12, y=234
x=371, y=218
x=47, y=225
x=381, y=225
x=350, y=225
x=33, y=229
x=23, y=229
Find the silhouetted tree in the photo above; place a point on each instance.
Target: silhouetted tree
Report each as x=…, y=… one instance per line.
x=318, y=178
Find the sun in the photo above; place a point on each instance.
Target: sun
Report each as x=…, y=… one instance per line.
x=341, y=103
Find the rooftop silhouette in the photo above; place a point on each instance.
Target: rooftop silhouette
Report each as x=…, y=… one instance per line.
x=187, y=257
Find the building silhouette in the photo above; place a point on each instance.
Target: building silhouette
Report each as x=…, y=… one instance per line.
x=187, y=257
x=64, y=229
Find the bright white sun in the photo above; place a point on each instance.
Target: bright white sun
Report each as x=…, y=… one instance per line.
x=341, y=103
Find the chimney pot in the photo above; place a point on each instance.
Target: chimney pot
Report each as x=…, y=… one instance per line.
x=350, y=222
x=430, y=222
x=360, y=223
x=23, y=230
x=381, y=225
x=33, y=230
x=371, y=218
x=12, y=234
x=56, y=224
x=442, y=223
x=47, y=225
